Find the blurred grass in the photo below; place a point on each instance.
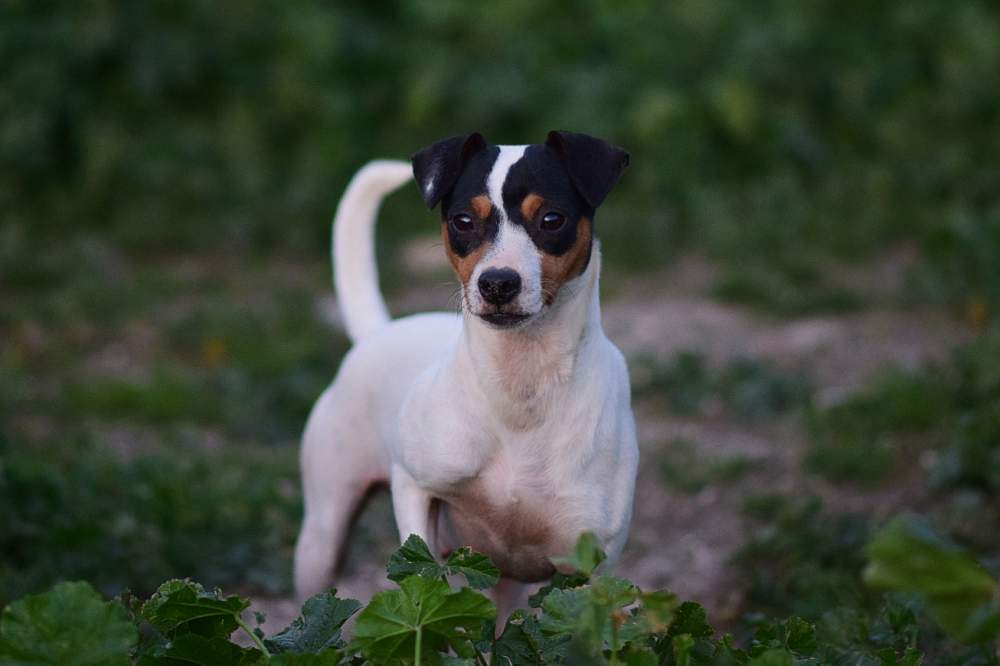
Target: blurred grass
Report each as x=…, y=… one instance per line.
x=745, y=388
x=804, y=559
x=683, y=470
x=862, y=438
x=79, y=510
x=951, y=409
x=763, y=134
x=784, y=292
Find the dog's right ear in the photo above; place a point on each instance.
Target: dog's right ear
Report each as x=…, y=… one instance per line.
x=437, y=167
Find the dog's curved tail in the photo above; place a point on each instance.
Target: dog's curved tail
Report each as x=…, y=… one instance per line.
x=355, y=276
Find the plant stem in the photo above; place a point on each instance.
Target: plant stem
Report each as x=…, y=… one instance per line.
x=416, y=650
x=254, y=637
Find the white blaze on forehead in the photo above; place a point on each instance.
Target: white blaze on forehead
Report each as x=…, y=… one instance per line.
x=512, y=248
x=498, y=175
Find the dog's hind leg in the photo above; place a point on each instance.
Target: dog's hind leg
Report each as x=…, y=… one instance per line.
x=339, y=464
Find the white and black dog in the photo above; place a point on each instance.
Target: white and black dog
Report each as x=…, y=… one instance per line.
x=509, y=427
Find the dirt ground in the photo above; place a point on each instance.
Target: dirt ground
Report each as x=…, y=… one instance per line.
x=679, y=541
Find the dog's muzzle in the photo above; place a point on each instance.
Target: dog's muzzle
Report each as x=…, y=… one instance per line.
x=499, y=286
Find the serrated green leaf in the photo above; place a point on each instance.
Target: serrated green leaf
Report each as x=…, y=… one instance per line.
x=318, y=628
x=908, y=555
x=523, y=641
x=727, y=654
x=559, y=581
x=691, y=619
x=657, y=610
x=562, y=611
x=773, y=657
x=586, y=556
x=184, y=603
x=888, y=657
x=594, y=614
x=69, y=624
x=794, y=635
x=388, y=628
x=800, y=637
x=325, y=658
x=479, y=570
x=520, y=642
x=414, y=558
x=681, y=645
x=207, y=651
x=637, y=656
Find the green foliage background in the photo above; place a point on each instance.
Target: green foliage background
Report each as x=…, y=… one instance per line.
x=776, y=128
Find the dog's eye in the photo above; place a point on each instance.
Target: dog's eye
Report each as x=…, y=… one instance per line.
x=462, y=222
x=553, y=221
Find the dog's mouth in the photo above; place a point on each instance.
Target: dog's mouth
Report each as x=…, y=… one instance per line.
x=505, y=319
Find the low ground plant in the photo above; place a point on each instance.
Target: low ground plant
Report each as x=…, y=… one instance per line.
x=583, y=617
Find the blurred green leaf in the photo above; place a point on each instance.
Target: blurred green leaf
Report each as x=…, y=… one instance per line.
x=70, y=624
x=318, y=628
x=415, y=558
x=201, y=650
x=424, y=612
x=587, y=555
x=184, y=603
x=908, y=555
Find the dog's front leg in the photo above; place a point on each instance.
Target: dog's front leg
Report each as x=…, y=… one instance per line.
x=508, y=595
x=412, y=506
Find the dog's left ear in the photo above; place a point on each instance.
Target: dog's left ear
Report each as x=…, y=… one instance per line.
x=594, y=165
x=438, y=166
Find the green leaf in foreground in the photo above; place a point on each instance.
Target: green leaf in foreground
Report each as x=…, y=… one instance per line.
x=70, y=624
x=423, y=617
x=325, y=658
x=577, y=568
x=521, y=642
x=908, y=555
x=319, y=626
x=794, y=635
x=594, y=615
x=415, y=558
x=184, y=603
x=205, y=651
x=586, y=556
x=479, y=570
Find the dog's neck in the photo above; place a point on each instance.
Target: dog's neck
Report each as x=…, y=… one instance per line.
x=518, y=369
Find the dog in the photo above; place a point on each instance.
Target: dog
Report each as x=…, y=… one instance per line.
x=507, y=427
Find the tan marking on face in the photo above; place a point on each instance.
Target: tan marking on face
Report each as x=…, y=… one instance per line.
x=530, y=205
x=481, y=206
x=557, y=271
x=464, y=266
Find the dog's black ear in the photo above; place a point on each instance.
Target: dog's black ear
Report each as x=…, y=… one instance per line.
x=594, y=165
x=437, y=167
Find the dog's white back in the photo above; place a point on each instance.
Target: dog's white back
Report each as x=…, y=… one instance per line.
x=507, y=428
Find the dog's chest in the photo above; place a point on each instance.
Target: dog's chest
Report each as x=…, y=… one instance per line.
x=513, y=514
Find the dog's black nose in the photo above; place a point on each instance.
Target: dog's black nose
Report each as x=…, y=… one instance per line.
x=499, y=286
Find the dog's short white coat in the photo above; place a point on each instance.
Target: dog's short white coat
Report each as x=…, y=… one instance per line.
x=538, y=416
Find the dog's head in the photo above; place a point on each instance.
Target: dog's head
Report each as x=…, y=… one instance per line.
x=517, y=221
